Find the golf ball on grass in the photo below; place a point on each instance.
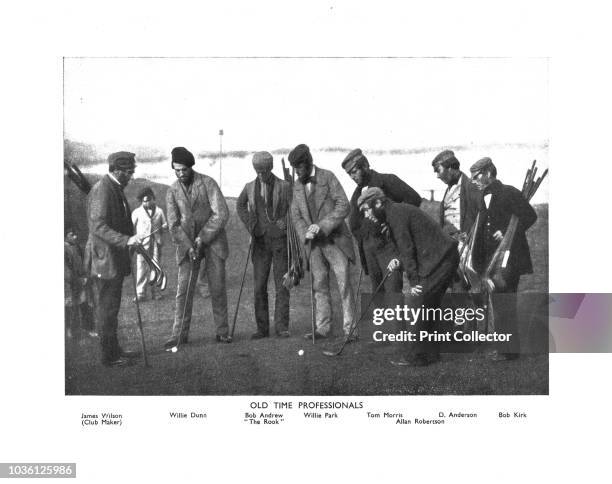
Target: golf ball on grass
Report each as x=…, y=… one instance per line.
x=301, y=353
x=174, y=349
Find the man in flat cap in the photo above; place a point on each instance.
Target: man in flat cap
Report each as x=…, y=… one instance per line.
x=149, y=221
x=262, y=206
x=427, y=255
x=318, y=210
x=375, y=251
x=197, y=215
x=107, y=254
x=459, y=206
x=461, y=199
x=500, y=203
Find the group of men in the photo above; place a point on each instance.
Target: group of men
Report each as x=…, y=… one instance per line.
x=393, y=235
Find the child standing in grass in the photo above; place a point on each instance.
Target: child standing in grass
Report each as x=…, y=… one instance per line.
x=77, y=300
x=149, y=221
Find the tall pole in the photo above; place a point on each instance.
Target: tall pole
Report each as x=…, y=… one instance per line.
x=220, y=155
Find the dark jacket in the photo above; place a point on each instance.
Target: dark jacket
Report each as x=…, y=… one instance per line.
x=470, y=199
x=395, y=189
x=281, y=199
x=110, y=227
x=505, y=202
x=420, y=242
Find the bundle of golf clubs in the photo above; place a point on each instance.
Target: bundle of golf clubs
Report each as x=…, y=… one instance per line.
x=494, y=277
x=157, y=276
x=77, y=177
x=295, y=251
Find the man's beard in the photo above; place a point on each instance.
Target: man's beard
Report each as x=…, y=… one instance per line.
x=380, y=214
x=188, y=179
x=306, y=176
x=365, y=179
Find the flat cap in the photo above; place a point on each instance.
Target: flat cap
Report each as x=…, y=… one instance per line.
x=300, y=154
x=182, y=156
x=354, y=157
x=262, y=160
x=445, y=158
x=369, y=194
x=481, y=165
x=121, y=159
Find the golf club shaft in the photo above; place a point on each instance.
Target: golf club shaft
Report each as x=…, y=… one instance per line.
x=142, y=340
x=359, y=284
x=246, y=264
x=376, y=291
x=180, y=333
x=152, y=233
x=312, y=303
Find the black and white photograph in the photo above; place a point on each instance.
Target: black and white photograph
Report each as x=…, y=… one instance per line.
x=233, y=225
x=305, y=241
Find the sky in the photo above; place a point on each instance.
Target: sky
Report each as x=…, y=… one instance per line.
x=266, y=103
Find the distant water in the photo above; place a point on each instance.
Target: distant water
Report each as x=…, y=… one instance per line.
x=415, y=169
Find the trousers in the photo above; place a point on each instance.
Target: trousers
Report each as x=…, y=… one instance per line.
x=326, y=256
x=109, y=301
x=215, y=273
x=270, y=252
x=434, y=287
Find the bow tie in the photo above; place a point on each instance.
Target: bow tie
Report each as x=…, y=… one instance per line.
x=306, y=181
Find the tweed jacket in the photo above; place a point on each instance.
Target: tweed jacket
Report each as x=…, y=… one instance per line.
x=200, y=211
x=420, y=242
x=281, y=199
x=331, y=206
x=110, y=227
x=470, y=200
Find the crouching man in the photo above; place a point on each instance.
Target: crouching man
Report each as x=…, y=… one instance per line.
x=427, y=255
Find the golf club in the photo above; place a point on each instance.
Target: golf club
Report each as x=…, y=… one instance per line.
x=174, y=349
x=312, y=302
x=246, y=264
x=153, y=232
x=348, y=336
x=142, y=340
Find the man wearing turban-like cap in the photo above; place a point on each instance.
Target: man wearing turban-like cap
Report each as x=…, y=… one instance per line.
x=197, y=215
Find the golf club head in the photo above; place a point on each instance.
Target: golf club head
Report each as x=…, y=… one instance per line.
x=158, y=278
x=331, y=353
x=164, y=281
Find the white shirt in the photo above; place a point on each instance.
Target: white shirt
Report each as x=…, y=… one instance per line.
x=452, y=205
x=309, y=184
x=487, y=199
x=144, y=223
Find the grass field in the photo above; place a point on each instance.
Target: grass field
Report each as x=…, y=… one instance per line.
x=272, y=366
